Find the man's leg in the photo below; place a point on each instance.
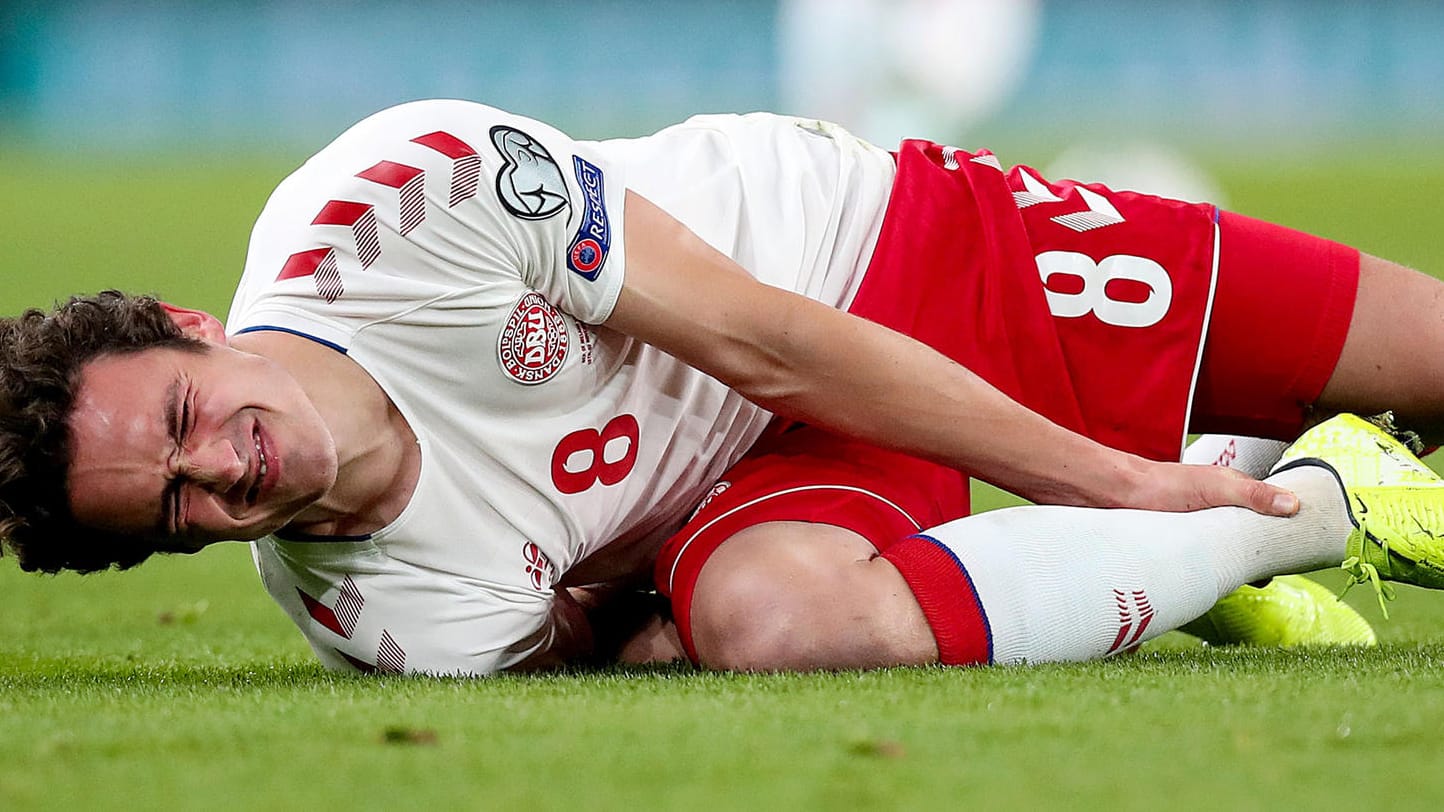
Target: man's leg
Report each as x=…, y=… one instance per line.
x=760, y=591
x=1302, y=327
x=1044, y=584
x=1393, y=355
x=800, y=596
x=1290, y=610
x=785, y=552
x=1254, y=456
x=1028, y=584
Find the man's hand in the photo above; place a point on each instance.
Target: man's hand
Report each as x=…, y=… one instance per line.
x=600, y=624
x=570, y=632
x=1174, y=486
x=657, y=641
x=628, y=624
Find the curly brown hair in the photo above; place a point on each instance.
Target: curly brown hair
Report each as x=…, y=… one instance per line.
x=41, y=357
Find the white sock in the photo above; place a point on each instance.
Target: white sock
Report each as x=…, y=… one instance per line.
x=1252, y=455
x=1068, y=583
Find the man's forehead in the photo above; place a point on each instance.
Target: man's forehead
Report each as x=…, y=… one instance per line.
x=138, y=367
x=124, y=394
x=119, y=429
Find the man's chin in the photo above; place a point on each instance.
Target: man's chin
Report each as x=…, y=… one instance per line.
x=180, y=546
x=191, y=546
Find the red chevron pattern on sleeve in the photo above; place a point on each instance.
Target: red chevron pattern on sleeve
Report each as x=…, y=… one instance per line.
x=349, y=603
x=361, y=217
x=319, y=263
x=323, y=614
x=465, y=163
x=341, y=620
x=390, y=659
x=410, y=182
x=357, y=663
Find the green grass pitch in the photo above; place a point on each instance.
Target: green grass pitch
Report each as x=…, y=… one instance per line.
x=180, y=686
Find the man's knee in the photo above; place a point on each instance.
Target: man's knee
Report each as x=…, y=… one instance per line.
x=747, y=613
x=798, y=596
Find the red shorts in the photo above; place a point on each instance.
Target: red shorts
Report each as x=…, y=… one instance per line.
x=1106, y=310
x=808, y=475
x=1128, y=318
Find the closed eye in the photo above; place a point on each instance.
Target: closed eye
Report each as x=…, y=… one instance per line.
x=187, y=424
x=178, y=425
x=187, y=419
x=170, y=521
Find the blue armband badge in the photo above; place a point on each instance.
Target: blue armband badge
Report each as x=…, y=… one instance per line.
x=588, y=250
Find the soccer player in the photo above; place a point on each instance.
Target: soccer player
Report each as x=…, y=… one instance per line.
x=472, y=362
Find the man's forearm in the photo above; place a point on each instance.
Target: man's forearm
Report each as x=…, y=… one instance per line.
x=812, y=362
x=866, y=381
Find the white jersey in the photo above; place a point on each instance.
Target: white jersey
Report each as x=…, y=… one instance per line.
x=461, y=255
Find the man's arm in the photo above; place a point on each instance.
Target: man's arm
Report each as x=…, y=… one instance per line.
x=808, y=361
x=569, y=632
x=605, y=623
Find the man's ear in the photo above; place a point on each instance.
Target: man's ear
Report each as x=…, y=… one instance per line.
x=196, y=324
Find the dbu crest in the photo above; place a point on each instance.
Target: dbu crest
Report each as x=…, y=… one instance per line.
x=534, y=341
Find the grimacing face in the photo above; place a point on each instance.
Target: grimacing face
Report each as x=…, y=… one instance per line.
x=192, y=447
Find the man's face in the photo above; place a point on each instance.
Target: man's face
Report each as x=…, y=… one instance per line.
x=194, y=446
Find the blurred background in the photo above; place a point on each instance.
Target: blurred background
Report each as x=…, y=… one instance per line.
x=152, y=74
x=140, y=137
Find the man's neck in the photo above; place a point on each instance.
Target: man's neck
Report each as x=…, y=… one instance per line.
x=377, y=453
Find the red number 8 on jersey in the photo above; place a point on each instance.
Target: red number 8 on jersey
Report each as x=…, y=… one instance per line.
x=599, y=468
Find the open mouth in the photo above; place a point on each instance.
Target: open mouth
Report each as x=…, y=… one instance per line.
x=262, y=467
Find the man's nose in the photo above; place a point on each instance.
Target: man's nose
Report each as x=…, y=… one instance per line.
x=215, y=464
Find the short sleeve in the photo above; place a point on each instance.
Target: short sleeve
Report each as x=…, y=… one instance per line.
x=362, y=611
x=429, y=198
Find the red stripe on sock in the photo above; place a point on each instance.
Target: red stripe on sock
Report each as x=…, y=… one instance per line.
x=948, y=600
x=1122, y=633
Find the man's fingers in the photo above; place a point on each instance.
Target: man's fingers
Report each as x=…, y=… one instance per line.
x=1275, y=501
x=1172, y=486
x=1258, y=496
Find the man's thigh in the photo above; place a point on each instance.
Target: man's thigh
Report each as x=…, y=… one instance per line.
x=1278, y=324
x=1393, y=356
x=1085, y=304
x=1130, y=318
